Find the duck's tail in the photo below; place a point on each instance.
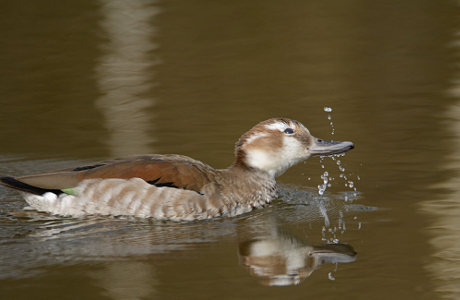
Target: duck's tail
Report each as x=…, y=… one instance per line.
x=13, y=183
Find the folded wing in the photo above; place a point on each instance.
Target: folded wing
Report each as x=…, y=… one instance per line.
x=173, y=171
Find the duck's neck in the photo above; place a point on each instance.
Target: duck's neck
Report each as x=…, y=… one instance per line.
x=247, y=187
x=253, y=178
x=261, y=161
x=240, y=167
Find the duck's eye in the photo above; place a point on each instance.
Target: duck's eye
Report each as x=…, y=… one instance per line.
x=288, y=131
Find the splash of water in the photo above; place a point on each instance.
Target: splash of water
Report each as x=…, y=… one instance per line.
x=329, y=117
x=330, y=276
x=347, y=182
x=330, y=232
x=322, y=187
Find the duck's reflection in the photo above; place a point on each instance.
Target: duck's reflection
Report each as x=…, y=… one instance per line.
x=269, y=252
x=279, y=259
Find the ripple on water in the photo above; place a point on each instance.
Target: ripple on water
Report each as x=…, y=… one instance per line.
x=40, y=240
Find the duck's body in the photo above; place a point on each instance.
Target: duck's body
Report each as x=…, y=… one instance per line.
x=159, y=186
x=177, y=187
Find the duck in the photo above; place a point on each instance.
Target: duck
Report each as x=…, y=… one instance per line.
x=176, y=187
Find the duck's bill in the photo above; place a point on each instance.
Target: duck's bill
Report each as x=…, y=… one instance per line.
x=325, y=148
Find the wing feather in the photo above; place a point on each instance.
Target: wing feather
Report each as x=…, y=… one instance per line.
x=161, y=170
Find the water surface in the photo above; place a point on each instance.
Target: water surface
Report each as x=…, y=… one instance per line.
x=87, y=81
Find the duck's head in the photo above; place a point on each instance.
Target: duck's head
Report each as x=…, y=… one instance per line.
x=275, y=145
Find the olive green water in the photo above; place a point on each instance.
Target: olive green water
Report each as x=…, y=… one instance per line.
x=82, y=81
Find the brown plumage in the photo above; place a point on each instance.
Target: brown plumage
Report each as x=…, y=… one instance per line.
x=174, y=186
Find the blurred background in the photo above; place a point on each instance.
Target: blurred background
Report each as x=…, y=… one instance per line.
x=87, y=80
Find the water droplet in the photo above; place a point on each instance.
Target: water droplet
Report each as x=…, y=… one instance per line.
x=322, y=187
x=327, y=109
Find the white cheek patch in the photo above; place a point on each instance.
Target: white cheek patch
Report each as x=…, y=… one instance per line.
x=255, y=137
x=268, y=161
x=293, y=150
x=277, y=162
x=292, y=147
x=262, y=160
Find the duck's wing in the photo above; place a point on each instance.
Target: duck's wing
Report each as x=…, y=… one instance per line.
x=174, y=171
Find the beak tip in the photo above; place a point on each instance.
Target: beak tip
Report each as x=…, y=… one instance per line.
x=350, y=146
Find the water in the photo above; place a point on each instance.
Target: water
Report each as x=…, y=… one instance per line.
x=86, y=81
x=329, y=117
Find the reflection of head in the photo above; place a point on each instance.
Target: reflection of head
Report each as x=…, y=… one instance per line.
x=280, y=260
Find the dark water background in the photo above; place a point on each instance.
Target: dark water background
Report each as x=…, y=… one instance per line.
x=82, y=81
